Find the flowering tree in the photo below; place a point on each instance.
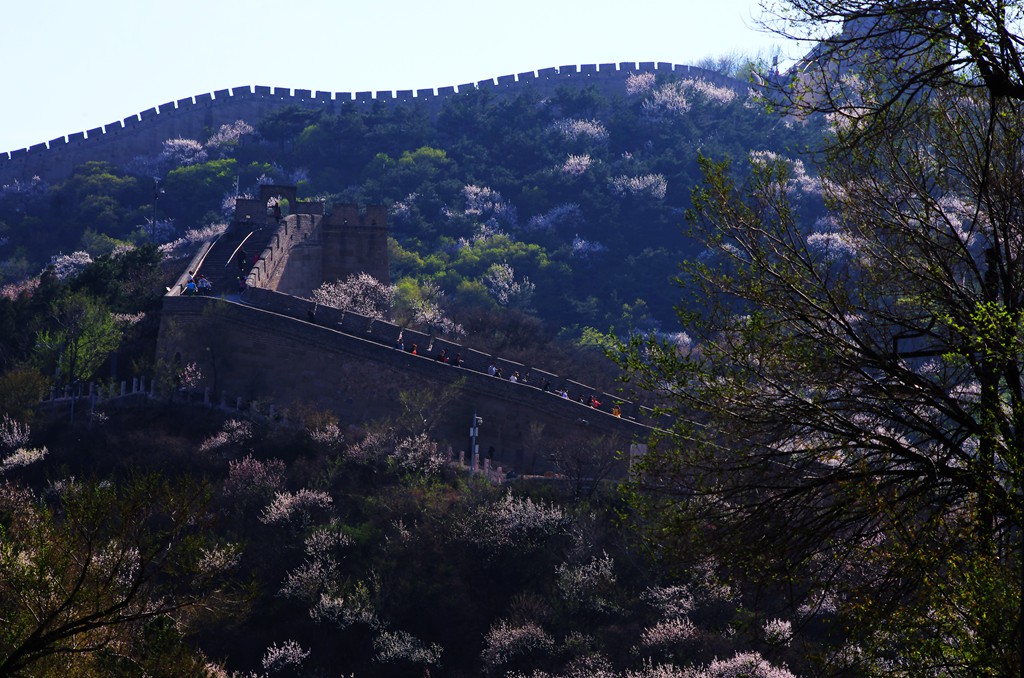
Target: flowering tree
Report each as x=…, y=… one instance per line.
x=182, y=152
x=360, y=293
x=507, y=291
x=854, y=396
x=88, y=575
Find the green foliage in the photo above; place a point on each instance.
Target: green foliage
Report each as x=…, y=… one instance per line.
x=194, y=190
x=81, y=335
x=21, y=388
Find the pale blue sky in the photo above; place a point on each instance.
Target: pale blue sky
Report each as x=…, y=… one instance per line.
x=71, y=65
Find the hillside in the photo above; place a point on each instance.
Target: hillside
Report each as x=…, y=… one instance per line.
x=560, y=193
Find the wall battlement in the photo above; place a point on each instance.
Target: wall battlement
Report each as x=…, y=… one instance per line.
x=143, y=133
x=347, y=364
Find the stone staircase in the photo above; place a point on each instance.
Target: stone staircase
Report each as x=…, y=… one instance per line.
x=221, y=266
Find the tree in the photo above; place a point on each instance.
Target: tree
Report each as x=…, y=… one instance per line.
x=875, y=58
x=98, y=580
x=359, y=293
x=83, y=335
x=850, y=410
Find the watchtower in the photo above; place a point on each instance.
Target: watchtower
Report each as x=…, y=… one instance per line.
x=355, y=243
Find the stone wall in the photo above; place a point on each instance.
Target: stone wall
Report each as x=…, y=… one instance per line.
x=343, y=364
x=196, y=117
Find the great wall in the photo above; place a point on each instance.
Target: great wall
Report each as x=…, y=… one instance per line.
x=268, y=344
x=262, y=346
x=197, y=117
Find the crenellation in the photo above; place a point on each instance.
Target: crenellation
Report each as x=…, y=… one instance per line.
x=142, y=133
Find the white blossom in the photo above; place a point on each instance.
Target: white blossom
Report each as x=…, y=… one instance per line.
x=573, y=129
x=568, y=213
x=583, y=586
x=653, y=185
x=778, y=632
x=507, y=291
x=65, y=266
x=359, y=293
x=288, y=654
x=394, y=646
x=583, y=249
x=668, y=632
x=505, y=641
x=575, y=165
x=287, y=506
x=182, y=152
x=639, y=83
x=743, y=665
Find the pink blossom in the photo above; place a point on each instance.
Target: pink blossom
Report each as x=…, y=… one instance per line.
x=251, y=477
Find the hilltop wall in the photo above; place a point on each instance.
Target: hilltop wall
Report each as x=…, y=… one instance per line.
x=271, y=357
x=197, y=117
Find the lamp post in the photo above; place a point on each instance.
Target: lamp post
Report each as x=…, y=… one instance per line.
x=157, y=192
x=474, y=449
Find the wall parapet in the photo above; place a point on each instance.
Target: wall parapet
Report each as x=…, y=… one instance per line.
x=56, y=158
x=391, y=336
